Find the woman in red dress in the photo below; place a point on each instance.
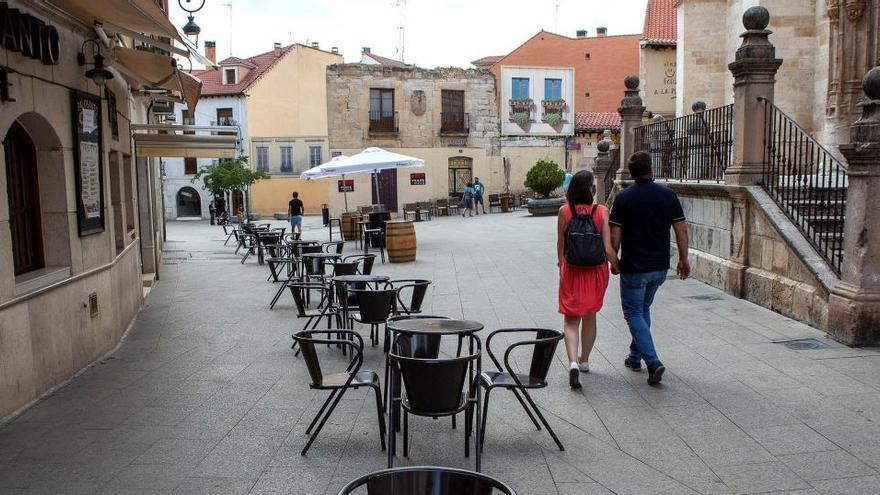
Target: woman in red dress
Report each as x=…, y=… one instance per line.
x=581, y=289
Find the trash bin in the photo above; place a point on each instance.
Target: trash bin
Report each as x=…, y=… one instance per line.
x=325, y=215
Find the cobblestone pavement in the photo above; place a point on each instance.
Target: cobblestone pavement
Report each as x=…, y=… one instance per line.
x=205, y=396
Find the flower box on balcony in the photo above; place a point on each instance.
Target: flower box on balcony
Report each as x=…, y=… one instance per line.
x=552, y=118
x=522, y=105
x=553, y=105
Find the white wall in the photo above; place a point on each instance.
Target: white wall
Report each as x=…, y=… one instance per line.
x=536, y=76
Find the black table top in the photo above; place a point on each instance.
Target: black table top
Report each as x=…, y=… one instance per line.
x=321, y=255
x=301, y=242
x=361, y=278
x=435, y=326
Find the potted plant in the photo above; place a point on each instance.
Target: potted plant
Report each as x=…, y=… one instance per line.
x=544, y=178
x=520, y=105
x=553, y=118
x=521, y=118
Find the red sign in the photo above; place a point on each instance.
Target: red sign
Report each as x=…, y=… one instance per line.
x=346, y=185
x=417, y=179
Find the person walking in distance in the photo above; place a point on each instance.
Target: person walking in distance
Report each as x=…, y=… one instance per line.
x=295, y=211
x=583, y=250
x=640, y=220
x=212, y=210
x=467, y=201
x=478, y=196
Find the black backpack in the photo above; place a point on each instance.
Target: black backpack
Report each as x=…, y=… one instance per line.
x=583, y=242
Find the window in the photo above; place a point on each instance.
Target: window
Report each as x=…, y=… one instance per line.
x=552, y=89
x=263, y=158
x=382, y=110
x=286, y=159
x=315, y=158
x=452, y=111
x=224, y=117
x=190, y=165
x=587, y=94
x=587, y=56
x=24, y=201
x=229, y=76
x=520, y=89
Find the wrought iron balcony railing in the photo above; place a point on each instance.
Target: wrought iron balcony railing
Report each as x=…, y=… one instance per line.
x=383, y=121
x=454, y=123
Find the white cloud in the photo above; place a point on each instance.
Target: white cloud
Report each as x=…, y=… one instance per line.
x=438, y=32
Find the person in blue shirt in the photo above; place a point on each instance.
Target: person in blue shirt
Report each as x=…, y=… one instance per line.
x=640, y=220
x=467, y=200
x=478, y=196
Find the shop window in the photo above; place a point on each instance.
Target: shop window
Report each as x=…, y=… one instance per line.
x=24, y=201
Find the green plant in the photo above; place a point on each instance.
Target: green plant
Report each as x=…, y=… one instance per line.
x=553, y=118
x=544, y=177
x=520, y=118
x=228, y=175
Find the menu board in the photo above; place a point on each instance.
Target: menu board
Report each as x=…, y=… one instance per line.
x=87, y=154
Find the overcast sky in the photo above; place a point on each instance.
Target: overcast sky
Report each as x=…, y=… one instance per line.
x=438, y=32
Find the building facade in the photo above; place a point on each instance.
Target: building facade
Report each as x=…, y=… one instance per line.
x=448, y=117
x=657, y=58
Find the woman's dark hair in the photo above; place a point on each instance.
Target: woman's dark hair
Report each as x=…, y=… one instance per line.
x=470, y=184
x=580, y=189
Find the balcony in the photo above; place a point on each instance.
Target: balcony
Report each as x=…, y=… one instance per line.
x=454, y=124
x=521, y=111
x=225, y=122
x=383, y=122
x=554, y=111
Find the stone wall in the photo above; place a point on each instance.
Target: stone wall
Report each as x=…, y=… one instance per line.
x=743, y=244
x=417, y=100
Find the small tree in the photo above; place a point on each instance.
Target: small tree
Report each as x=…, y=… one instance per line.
x=228, y=175
x=544, y=177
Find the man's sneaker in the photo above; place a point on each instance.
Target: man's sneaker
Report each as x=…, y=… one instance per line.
x=655, y=374
x=635, y=366
x=584, y=367
x=573, y=376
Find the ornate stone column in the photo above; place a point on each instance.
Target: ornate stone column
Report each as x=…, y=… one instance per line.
x=601, y=168
x=754, y=75
x=631, y=110
x=854, y=314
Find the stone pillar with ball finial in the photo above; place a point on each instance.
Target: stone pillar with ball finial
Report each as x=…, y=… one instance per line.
x=602, y=167
x=854, y=314
x=754, y=76
x=631, y=110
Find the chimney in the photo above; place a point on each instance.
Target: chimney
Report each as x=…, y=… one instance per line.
x=365, y=50
x=211, y=51
x=581, y=33
x=314, y=44
x=601, y=32
x=334, y=49
x=277, y=49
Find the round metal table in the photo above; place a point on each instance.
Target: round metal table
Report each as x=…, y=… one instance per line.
x=349, y=279
x=435, y=326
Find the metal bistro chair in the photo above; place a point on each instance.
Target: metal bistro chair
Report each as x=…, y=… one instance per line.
x=338, y=383
x=434, y=387
x=417, y=295
x=333, y=246
x=427, y=480
x=374, y=309
x=365, y=262
x=452, y=206
x=414, y=345
x=544, y=346
x=313, y=317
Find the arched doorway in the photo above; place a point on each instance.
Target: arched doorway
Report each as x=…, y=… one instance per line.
x=461, y=171
x=189, y=204
x=24, y=200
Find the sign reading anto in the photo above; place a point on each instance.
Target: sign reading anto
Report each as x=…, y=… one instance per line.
x=32, y=37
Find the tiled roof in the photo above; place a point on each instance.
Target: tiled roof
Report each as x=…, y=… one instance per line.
x=596, y=121
x=385, y=60
x=212, y=80
x=487, y=62
x=660, y=21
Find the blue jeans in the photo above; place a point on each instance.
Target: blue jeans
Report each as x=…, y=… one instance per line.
x=636, y=295
x=296, y=221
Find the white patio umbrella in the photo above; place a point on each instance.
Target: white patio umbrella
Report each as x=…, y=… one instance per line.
x=328, y=169
x=370, y=160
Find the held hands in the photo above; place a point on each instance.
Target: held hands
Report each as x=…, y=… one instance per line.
x=683, y=269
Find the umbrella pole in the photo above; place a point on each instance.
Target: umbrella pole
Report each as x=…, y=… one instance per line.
x=345, y=192
x=376, y=185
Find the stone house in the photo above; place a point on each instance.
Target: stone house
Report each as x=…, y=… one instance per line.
x=657, y=58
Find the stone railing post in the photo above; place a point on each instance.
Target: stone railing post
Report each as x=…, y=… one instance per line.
x=631, y=111
x=854, y=314
x=754, y=75
x=602, y=168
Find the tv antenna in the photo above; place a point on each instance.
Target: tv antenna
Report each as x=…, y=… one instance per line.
x=556, y=18
x=228, y=3
x=401, y=27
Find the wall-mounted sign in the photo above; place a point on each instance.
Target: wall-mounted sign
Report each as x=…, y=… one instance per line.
x=346, y=185
x=88, y=163
x=417, y=179
x=111, y=115
x=23, y=33
x=574, y=145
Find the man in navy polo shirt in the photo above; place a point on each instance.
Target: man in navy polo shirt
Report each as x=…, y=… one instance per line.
x=641, y=217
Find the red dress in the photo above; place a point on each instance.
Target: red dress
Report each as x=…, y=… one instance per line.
x=582, y=289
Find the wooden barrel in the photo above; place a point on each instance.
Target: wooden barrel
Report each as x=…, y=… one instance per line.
x=350, y=229
x=400, y=241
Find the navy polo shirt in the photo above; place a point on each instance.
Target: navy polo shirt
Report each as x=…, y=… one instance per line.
x=645, y=211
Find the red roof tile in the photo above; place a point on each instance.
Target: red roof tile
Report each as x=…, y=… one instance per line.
x=660, y=19
x=486, y=62
x=212, y=82
x=385, y=60
x=596, y=121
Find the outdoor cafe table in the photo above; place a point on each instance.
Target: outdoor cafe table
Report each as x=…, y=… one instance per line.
x=426, y=326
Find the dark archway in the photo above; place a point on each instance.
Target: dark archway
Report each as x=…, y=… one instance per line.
x=189, y=203
x=24, y=200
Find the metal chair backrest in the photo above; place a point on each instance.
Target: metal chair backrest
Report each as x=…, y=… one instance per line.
x=544, y=346
x=307, y=343
x=345, y=268
x=308, y=249
x=297, y=289
x=366, y=261
x=418, y=345
x=434, y=385
x=419, y=289
x=333, y=247
x=375, y=305
x=427, y=480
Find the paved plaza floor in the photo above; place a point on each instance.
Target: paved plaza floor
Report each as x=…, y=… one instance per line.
x=204, y=395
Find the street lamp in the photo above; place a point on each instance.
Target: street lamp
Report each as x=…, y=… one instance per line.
x=191, y=29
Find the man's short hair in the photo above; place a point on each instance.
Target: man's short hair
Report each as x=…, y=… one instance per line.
x=639, y=164
x=295, y=194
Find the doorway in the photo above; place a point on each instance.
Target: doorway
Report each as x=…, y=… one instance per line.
x=24, y=201
x=189, y=204
x=461, y=171
x=387, y=190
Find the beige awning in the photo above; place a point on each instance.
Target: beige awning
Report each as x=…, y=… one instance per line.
x=172, y=140
x=151, y=69
x=142, y=16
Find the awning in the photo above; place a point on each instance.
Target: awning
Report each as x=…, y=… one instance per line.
x=143, y=16
x=169, y=141
x=151, y=69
